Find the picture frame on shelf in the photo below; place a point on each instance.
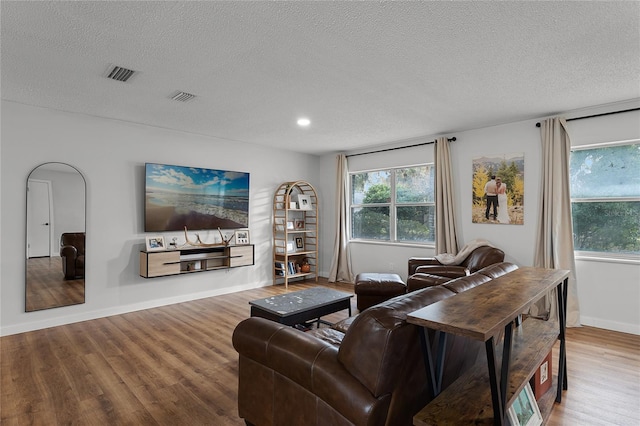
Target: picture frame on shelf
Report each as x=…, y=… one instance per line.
x=299, y=224
x=293, y=205
x=299, y=243
x=290, y=247
x=524, y=411
x=290, y=224
x=304, y=202
x=155, y=243
x=242, y=237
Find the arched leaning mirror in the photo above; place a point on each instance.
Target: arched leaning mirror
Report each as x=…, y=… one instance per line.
x=56, y=212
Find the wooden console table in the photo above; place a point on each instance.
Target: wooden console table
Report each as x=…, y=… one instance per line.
x=482, y=313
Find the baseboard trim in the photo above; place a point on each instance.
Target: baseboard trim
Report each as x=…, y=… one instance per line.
x=610, y=325
x=102, y=313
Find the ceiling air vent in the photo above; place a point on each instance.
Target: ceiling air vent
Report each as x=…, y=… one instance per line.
x=120, y=74
x=182, y=96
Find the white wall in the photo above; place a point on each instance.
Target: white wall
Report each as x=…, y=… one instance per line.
x=609, y=292
x=111, y=155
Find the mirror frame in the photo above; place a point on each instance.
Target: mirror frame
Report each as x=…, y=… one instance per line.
x=26, y=252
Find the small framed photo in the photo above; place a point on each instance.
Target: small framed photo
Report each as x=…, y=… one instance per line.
x=304, y=202
x=299, y=225
x=524, y=411
x=155, y=243
x=242, y=237
x=290, y=247
x=299, y=243
x=290, y=224
x=293, y=205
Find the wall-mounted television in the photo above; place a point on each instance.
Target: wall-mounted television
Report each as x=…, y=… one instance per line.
x=200, y=199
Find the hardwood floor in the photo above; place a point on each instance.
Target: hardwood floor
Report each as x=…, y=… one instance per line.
x=46, y=287
x=175, y=365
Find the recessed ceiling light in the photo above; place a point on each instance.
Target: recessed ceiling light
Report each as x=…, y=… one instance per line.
x=303, y=122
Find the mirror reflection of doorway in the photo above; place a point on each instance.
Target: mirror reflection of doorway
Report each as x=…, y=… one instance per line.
x=39, y=224
x=55, y=246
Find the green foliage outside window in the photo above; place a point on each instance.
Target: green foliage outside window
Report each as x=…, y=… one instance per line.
x=605, y=192
x=393, y=205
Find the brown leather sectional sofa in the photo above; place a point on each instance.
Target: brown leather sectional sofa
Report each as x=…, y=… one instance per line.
x=365, y=370
x=427, y=271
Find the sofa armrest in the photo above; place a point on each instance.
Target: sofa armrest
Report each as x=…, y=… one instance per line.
x=414, y=262
x=419, y=281
x=449, y=271
x=68, y=251
x=309, y=362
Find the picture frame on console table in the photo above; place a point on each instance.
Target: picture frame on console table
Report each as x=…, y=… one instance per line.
x=524, y=411
x=242, y=237
x=155, y=243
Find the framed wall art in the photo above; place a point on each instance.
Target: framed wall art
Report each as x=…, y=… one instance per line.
x=498, y=189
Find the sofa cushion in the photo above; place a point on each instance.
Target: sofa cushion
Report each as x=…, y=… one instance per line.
x=329, y=335
x=375, y=346
x=344, y=325
x=498, y=269
x=465, y=283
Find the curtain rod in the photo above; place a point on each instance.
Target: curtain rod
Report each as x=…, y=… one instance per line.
x=399, y=147
x=598, y=115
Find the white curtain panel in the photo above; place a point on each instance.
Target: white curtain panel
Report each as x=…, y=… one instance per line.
x=341, y=262
x=446, y=235
x=554, y=244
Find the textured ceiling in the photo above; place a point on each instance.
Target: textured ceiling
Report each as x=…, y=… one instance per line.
x=365, y=73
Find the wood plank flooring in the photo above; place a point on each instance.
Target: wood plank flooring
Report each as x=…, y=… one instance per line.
x=46, y=287
x=175, y=365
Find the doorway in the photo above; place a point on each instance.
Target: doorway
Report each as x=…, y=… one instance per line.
x=39, y=216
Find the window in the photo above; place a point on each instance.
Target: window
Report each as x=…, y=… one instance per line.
x=605, y=199
x=395, y=205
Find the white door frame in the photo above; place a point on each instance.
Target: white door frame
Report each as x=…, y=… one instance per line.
x=52, y=249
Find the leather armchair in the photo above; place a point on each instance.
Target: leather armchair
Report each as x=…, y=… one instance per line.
x=428, y=271
x=72, y=254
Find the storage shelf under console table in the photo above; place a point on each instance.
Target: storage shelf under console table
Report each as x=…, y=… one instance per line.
x=190, y=260
x=483, y=394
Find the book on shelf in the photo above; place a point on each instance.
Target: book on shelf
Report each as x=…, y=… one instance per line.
x=279, y=267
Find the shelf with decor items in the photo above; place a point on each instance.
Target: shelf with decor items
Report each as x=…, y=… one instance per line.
x=295, y=232
x=514, y=354
x=197, y=259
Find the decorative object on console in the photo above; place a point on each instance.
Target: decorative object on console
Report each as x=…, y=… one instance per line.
x=524, y=411
x=199, y=243
x=242, y=237
x=155, y=243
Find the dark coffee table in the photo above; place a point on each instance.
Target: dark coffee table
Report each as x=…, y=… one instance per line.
x=300, y=307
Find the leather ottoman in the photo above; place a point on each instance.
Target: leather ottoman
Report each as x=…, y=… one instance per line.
x=372, y=288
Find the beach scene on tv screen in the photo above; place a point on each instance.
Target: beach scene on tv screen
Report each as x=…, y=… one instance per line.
x=178, y=196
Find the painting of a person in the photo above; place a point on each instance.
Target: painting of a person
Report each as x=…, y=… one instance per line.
x=491, y=194
x=503, y=208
